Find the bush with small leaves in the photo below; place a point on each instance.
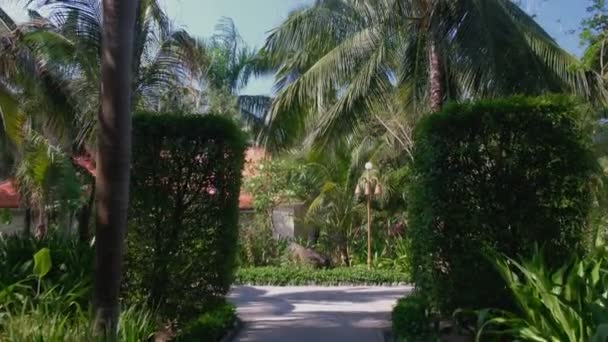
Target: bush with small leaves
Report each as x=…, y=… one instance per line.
x=411, y=319
x=500, y=175
x=185, y=185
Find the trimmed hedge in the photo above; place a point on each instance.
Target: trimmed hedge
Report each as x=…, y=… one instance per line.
x=294, y=276
x=411, y=319
x=499, y=175
x=185, y=184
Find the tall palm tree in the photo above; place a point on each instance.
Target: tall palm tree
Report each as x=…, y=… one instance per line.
x=338, y=60
x=35, y=114
x=220, y=68
x=113, y=159
x=70, y=36
x=65, y=47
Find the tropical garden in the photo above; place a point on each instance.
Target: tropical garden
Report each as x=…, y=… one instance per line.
x=429, y=142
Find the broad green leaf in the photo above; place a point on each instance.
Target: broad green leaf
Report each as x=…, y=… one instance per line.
x=12, y=117
x=595, y=274
x=42, y=262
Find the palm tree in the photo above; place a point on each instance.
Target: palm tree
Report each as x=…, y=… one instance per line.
x=65, y=48
x=338, y=60
x=220, y=68
x=70, y=36
x=113, y=159
x=35, y=115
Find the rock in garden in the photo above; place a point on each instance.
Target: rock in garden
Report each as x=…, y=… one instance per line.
x=308, y=257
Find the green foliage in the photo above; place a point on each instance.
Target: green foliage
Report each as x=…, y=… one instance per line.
x=72, y=265
x=6, y=217
x=336, y=61
x=210, y=326
x=593, y=36
x=281, y=180
x=390, y=252
x=275, y=181
x=259, y=247
x=45, y=291
x=567, y=304
x=42, y=262
x=286, y=276
x=497, y=175
x=411, y=319
x=46, y=323
x=185, y=184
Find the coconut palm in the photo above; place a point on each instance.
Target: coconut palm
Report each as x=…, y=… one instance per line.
x=338, y=60
x=51, y=73
x=70, y=36
x=35, y=114
x=219, y=69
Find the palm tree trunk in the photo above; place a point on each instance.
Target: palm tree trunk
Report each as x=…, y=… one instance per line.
x=435, y=77
x=84, y=217
x=113, y=161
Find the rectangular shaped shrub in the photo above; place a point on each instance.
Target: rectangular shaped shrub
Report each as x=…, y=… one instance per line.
x=182, y=238
x=498, y=175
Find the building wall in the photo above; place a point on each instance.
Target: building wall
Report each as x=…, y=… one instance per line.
x=17, y=222
x=288, y=222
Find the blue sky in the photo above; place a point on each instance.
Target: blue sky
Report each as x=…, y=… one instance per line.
x=254, y=18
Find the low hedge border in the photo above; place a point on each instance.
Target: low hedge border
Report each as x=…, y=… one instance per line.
x=293, y=276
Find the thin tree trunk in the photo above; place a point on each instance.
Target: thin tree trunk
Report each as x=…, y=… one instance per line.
x=84, y=217
x=113, y=161
x=27, y=224
x=369, y=229
x=435, y=77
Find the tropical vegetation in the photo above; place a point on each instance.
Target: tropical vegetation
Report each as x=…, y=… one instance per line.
x=468, y=191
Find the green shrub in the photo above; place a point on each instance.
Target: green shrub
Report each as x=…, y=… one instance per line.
x=210, y=326
x=285, y=276
x=411, y=319
x=185, y=184
x=50, y=303
x=72, y=269
x=568, y=304
x=496, y=175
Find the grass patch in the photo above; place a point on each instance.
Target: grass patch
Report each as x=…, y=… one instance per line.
x=285, y=276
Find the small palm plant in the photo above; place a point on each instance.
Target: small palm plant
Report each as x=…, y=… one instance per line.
x=567, y=305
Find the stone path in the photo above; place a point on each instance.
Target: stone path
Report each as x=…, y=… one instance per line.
x=315, y=314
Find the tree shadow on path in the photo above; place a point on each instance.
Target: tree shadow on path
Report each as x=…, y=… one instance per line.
x=316, y=314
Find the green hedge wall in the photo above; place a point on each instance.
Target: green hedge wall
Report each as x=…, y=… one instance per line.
x=185, y=184
x=498, y=175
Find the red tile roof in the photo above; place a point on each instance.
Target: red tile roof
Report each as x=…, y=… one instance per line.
x=9, y=196
x=253, y=157
x=87, y=163
x=245, y=201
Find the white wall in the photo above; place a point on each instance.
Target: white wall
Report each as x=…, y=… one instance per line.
x=17, y=222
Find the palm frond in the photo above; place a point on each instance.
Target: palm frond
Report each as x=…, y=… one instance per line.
x=13, y=118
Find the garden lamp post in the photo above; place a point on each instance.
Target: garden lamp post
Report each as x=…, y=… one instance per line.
x=371, y=187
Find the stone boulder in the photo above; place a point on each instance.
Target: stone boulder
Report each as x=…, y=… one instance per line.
x=307, y=257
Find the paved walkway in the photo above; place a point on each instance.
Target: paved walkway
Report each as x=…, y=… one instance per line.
x=315, y=314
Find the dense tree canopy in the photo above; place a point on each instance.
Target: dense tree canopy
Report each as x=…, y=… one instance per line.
x=340, y=61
